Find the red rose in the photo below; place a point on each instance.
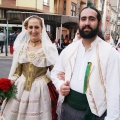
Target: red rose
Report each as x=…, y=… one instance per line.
x=5, y=84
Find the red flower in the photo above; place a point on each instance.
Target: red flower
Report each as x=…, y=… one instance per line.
x=5, y=84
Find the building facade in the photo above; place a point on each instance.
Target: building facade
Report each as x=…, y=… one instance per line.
x=11, y=12
x=113, y=20
x=110, y=17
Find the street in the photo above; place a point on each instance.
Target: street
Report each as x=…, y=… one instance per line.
x=5, y=65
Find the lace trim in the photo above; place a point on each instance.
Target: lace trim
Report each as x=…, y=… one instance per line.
x=26, y=101
x=37, y=58
x=29, y=114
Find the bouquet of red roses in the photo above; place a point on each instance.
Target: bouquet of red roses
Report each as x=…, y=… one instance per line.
x=7, y=90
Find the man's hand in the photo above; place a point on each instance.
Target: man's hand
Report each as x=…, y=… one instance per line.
x=65, y=88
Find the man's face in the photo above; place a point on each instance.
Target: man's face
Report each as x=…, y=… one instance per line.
x=88, y=25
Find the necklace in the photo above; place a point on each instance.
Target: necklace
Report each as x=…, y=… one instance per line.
x=34, y=43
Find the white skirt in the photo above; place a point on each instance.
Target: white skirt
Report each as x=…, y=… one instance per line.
x=29, y=105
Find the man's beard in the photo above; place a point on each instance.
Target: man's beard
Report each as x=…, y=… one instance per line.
x=89, y=34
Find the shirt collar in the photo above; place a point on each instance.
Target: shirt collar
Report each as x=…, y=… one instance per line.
x=95, y=42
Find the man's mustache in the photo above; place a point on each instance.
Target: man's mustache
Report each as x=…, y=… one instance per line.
x=86, y=26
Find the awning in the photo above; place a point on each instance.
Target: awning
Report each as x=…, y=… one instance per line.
x=51, y=19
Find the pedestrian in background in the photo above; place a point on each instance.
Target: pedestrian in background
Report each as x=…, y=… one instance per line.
x=70, y=41
x=92, y=82
x=77, y=36
x=36, y=98
x=118, y=45
x=57, y=43
x=2, y=40
x=11, y=38
x=116, y=40
x=66, y=40
x=108, y=38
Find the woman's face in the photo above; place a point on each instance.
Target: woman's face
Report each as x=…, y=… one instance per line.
x=34, y=29
x=107, y=37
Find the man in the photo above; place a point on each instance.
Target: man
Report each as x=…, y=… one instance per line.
x=57, y=43
x=2, y=40
x=91, y=66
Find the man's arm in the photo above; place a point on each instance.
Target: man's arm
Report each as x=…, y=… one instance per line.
x=58, y=68
x=113, y=86
x=61, y=85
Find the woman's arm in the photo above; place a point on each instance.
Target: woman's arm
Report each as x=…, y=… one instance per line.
x=17, y=73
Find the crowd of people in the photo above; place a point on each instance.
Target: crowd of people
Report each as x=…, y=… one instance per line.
x=11, y=39
x=66, y=41
x=82, y=83
x=106, y=37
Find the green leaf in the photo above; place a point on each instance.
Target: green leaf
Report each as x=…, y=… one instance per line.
x=9, y=94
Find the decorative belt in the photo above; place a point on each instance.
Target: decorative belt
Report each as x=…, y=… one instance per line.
x=79, y=101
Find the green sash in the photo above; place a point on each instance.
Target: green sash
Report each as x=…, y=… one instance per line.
x=87, y=74
x=79, y=101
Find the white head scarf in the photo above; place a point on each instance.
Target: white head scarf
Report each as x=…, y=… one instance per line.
x=111, y=39
x=49, y=49
x=76, y=37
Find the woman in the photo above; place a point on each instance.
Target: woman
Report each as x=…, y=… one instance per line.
x=31, y=62
x=77, y=36
x=108, y=38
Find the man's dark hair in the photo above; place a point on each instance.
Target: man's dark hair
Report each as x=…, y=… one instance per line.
x=98, y=13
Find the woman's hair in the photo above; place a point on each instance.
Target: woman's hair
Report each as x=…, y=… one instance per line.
x=33, y=16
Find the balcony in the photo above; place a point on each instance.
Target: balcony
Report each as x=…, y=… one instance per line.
x=10, y=4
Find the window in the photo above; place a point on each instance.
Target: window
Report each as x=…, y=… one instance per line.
x=73, y=9
x=45, y=2
x=64, y=8
x=2, y=14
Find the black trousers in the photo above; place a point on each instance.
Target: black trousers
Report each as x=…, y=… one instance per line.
x=69, y=113
x=1, y=45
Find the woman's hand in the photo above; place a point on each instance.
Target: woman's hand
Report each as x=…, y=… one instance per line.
x=61, y=76
x=12, y=81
